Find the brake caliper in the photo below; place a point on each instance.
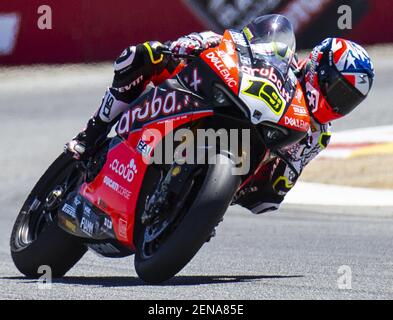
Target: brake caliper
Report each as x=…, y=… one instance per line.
x=173, y=185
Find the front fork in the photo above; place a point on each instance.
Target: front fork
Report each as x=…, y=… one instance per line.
x=171, y=192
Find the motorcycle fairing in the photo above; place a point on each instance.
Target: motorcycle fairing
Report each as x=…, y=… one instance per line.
x=224, y=61
x=80, y=218
x=297, y=116
x=262, y=88
x=149, y=119
x=158, y=104
x=262, y=108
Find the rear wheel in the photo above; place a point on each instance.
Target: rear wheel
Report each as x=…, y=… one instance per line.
x=160, y=256
x=36, y=239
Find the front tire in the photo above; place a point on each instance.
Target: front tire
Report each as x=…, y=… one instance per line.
x=206, y=211
x=36, y=239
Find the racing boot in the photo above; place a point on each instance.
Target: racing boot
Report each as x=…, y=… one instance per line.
x=84, y=144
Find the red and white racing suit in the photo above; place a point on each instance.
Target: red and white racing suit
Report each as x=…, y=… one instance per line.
x=142, y=64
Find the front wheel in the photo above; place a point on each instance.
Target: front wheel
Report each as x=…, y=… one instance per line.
x=211, y=199
x=36, y=239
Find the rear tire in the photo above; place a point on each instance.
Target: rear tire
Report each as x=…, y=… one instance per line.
x=204, y=214
x=36, y=242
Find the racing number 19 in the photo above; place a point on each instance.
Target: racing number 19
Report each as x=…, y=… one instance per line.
x=266, y=92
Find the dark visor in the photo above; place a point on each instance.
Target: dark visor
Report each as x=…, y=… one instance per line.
x=339, y=93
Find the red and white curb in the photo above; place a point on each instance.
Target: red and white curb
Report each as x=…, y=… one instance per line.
x=360, y=142
x=345, y=145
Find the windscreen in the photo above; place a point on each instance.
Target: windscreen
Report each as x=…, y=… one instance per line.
x=272, y=40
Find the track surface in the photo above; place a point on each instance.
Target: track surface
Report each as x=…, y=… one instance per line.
x=290, y=255
x=284, y=256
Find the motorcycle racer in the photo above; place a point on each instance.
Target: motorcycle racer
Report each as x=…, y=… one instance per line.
x=336, y=77
x=134, y=69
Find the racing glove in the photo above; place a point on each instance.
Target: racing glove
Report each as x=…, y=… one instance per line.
x=195, y=43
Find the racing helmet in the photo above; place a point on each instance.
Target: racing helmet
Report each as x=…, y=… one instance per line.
x=338, y=77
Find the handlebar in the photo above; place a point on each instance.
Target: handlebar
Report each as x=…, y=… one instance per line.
x=177, y=55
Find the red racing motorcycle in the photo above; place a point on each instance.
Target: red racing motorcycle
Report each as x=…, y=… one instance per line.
x=117, y=203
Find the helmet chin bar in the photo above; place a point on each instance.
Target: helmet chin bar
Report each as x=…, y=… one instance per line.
x=324, y=112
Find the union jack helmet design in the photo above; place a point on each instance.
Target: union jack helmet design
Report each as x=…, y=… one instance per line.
x=338, y=77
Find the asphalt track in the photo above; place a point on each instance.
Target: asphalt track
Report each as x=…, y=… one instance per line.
x=294, y=254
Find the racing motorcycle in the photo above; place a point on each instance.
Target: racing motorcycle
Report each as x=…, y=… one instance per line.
x=118, y=204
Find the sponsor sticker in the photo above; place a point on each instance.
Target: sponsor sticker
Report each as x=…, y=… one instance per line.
x=216, y=60
x=299, y=111
x=86, y=210
x=123, y=228
x=162, y=104
x=70, y=225
x=69, y=210
x=77, y=202
x=87, y=226
x=131, y=85
x=125, y=171
x=238, y=38
x=67, y=224
x=144, y=148
x=298, y=123
x=108, y=223
x=117, y=187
